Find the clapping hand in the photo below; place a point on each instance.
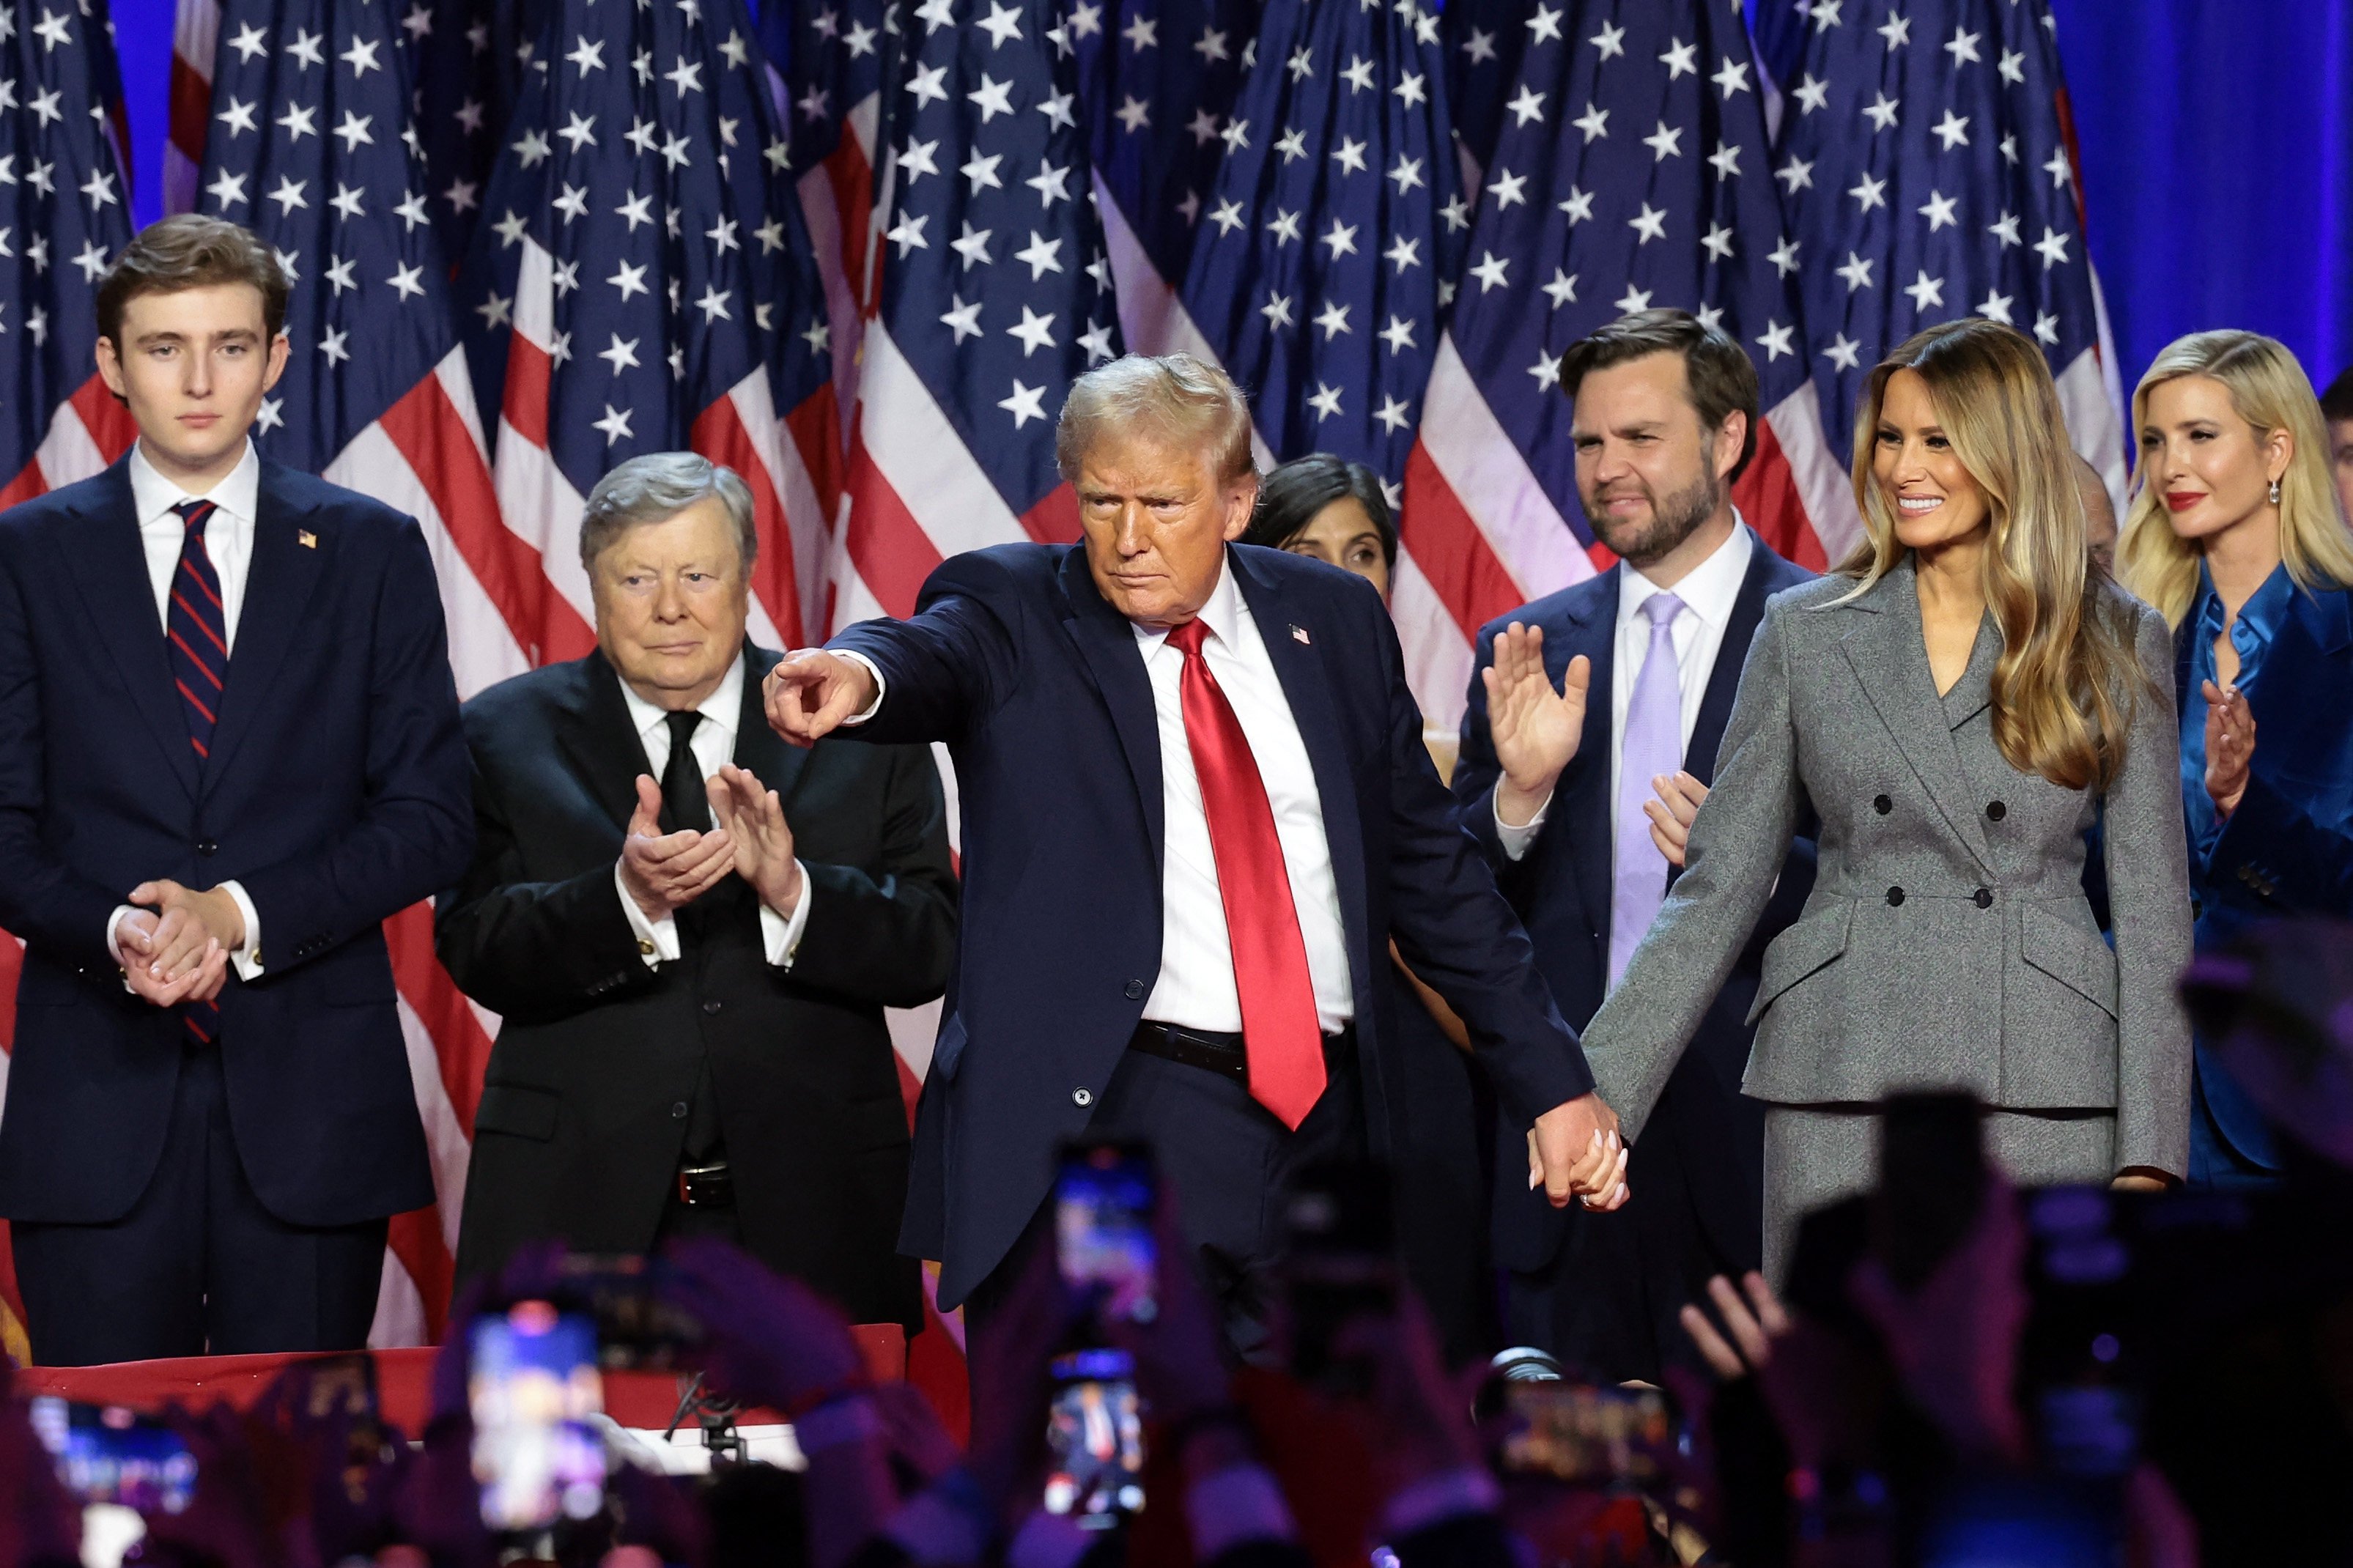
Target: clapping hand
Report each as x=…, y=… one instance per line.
x=1536, y=729
x=753, y=820
x=667, y=871
x=2230, y=745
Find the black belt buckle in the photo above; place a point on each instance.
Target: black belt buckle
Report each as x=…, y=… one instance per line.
x=706, y=1186
x=1195, y=1048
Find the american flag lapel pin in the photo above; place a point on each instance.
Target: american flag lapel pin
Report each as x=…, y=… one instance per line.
x=1299, y=635
x=306, y=538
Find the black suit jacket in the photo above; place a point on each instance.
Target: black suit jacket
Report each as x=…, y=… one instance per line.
x=1561, y=887
x=335, y=793
x=581, y=1123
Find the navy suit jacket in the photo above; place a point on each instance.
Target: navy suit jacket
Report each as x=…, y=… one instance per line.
x=337, y=793
x=1561, y=887
x=2288, y=848
x=1036, y=684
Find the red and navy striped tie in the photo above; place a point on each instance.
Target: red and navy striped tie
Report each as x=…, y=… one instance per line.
x=197, y=640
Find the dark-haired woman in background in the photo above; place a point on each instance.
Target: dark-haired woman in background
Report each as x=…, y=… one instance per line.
x=1334, y=510
x=2234, y=533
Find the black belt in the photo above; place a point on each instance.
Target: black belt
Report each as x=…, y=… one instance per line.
x=1216, y=1050
x=706, y=1186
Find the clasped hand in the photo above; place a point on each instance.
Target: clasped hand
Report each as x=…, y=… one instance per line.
x=179, y=952
x=664, y=872
x=1575, y=1150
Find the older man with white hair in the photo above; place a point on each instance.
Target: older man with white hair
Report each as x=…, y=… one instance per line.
x=1197, y=807
x=691, y=928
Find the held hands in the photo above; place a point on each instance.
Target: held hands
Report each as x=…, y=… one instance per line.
x=810, y=693
x=667, y=871
x=1670, y=815
x=2229, y=745
x=180, y=952
x=1575, y=1150
x=1536, y=729
x=752, y=818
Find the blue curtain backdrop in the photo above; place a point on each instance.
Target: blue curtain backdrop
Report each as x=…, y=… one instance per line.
x=2218, y=161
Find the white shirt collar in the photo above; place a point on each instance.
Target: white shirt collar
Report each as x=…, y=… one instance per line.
x=722, y=709
x=1708, y=589
x=1222, y=613
x=153, y=495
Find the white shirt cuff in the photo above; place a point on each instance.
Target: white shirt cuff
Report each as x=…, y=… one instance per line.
x=879, y=687
x=781, y=934
x=114, y=938
x=246, y=960
x=656, y=939
x=1515, y=840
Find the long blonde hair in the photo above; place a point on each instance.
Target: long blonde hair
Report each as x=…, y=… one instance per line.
x=2068, y=675
x=2268, y=390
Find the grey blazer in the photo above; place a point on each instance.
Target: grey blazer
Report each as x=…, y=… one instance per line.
x=1948, y=942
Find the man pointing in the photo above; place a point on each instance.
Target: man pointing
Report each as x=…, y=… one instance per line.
x=1197, y=807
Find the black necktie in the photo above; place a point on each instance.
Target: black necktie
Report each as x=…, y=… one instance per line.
x=686, y=803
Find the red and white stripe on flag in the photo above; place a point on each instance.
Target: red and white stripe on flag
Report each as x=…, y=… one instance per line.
x=196, y=24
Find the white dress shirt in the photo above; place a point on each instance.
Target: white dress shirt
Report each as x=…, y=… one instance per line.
x=229, y=542
x=1708, y=591
x=1196, y=987
x=714, y=746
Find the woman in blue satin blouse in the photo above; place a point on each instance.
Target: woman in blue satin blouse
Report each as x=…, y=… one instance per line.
x=2234, y=533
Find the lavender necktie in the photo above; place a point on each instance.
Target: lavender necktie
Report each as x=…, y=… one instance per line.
x=1654, y=744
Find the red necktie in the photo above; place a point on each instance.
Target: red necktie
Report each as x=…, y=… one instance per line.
x=1279, y=1026
x=195, y=634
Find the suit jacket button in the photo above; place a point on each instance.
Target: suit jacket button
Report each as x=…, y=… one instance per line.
x=1984, y=897
x=1882, y=804
x=678, y=1111
x=711, y=1009
x=1134, y=994
x=1082, y=1097
x=1894, y=895
x=207, y=847
x=1996, y=811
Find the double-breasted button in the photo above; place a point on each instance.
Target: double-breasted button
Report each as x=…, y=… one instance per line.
x=711, y=1009
x=207, y=847
x=1134, y=994
x=1996, y=811
x=1894, y=895
x=678, y=1111
x=1983, y=898
x=1882, y=804
x=1082, y=1097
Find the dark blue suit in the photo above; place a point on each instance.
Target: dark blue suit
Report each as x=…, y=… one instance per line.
x=336, y=793
x=2288, y=848
x=1036, y=685
x=1603, y=1290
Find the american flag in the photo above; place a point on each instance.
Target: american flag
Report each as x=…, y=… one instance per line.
x=1926, y=177
x=835, y=57
x=641, y=282
x=1155, y=81
x=996, y=294
x=194, y=25
x=64, y=213
x=1630, y=174
x=1484, y=40
x=1329, y=241
x=310, y=146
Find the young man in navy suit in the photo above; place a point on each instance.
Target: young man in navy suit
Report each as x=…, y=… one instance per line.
x=1197, y=807
x=1583, y=807
x=228, y=748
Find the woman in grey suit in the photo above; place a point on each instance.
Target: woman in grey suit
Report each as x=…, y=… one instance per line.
x=1957, y=704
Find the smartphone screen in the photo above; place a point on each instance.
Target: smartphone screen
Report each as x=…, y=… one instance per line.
x=1104, y=1202
x=1588, y=1434
x=106, y=1454
x=534, y=1386
x=637, y=1327
x=1094, y=1430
